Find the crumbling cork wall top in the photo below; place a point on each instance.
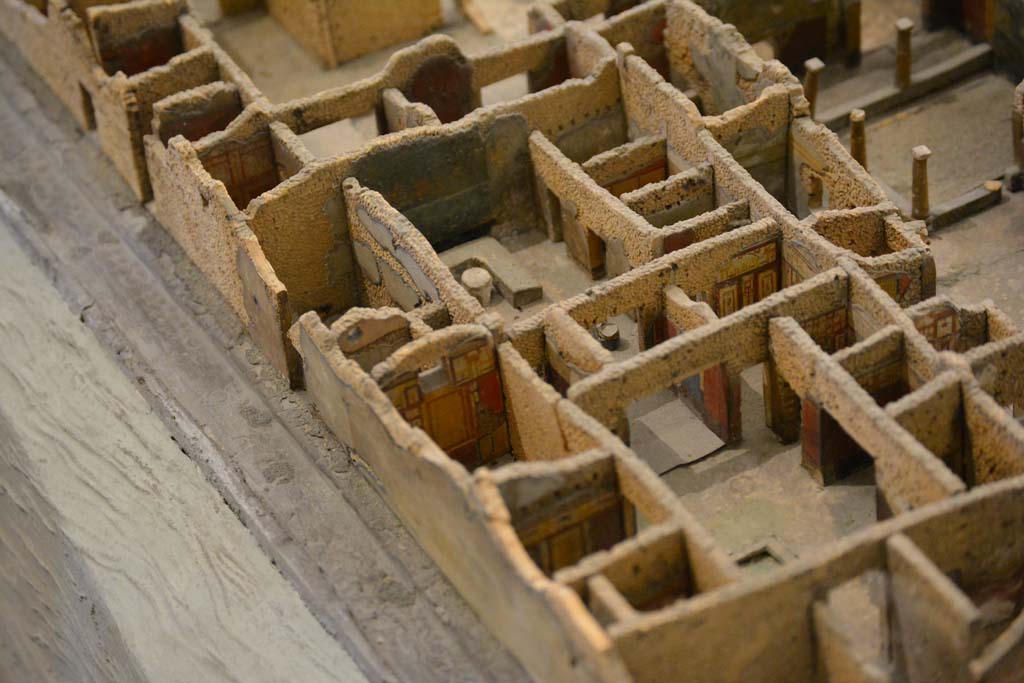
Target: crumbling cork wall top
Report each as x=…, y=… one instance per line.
x=718, y=228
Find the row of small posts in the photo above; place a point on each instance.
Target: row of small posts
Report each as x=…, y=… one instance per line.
x=904, y=65
x=920, y=205
x=1018, y=127
x=858, y=140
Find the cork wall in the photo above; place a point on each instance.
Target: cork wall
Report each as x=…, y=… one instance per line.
x=697, y=195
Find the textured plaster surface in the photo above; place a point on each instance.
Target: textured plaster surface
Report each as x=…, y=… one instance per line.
x=334, y=245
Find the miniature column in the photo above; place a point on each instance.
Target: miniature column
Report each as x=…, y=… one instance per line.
x=814, y=67
x=904, y=57
x=608, y=335
x=858, y=142
x=1018, y=126
x=920, y=188
x=853, y=37
x=478, y=282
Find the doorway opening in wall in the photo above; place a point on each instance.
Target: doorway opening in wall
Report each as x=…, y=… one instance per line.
x=342, y=136
x=867, y=601
x=757, y=490
x=87, y=108
x=505, y=90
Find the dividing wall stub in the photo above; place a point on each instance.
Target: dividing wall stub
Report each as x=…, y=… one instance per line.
x=713, y=231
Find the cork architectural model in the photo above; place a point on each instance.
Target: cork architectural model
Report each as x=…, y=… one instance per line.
x=718, y=228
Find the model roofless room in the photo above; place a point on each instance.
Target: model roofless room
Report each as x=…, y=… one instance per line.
x=595, y=341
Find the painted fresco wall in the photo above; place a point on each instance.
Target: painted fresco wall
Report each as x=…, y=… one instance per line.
x=247, y=168
x=751, y=275
x=459, y=403
x=782, y=405
x=452, y=186
x=584, y=526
